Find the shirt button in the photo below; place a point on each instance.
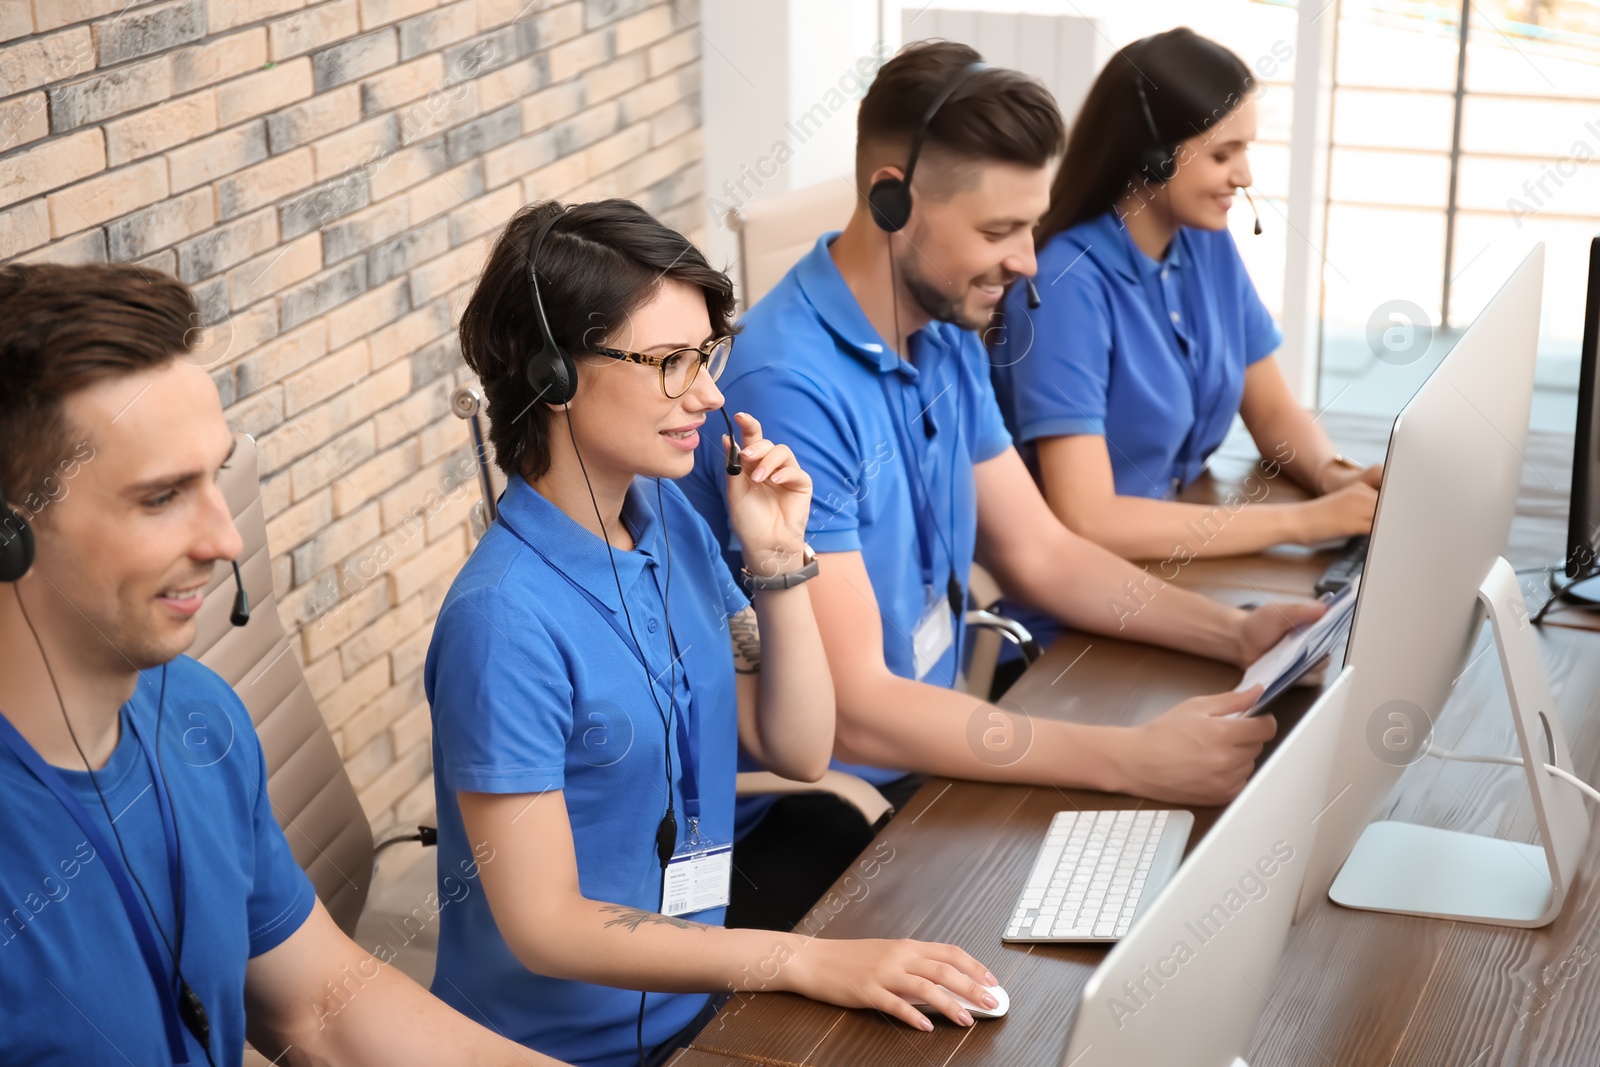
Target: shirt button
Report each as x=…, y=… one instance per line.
x=1163, y=273
x=652, y=626
x=1175, y=316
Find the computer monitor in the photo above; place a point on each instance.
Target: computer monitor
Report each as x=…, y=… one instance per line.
x=1188, y=984
x=1583, y=518
x=1434, y=570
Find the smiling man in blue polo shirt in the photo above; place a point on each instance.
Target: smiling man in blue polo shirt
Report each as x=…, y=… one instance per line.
x=142, y=870
x=865, y=360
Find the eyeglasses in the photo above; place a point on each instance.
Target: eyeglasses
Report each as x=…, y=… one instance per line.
x=679, y=368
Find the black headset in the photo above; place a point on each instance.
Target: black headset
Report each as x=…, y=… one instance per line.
x=1158, y=160
x=890, y=198
x=551, y=370
x=16, y=543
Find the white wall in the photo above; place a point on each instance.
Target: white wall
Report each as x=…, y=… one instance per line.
x=781, y=81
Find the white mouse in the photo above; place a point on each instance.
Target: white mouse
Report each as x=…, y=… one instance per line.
x=978, y=1011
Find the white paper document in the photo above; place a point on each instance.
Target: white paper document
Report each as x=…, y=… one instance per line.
x=1301, y=649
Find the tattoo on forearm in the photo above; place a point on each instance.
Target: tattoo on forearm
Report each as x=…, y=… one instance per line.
x=633, y=918
x=746, y=636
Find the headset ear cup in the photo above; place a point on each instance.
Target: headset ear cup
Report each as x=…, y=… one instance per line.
x=890, y=200
x=16, y=545
x=1157, y=166
x=552, y=375
x=563, y=378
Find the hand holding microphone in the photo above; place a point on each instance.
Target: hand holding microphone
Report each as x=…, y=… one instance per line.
x=731, y=443
x=769, y=499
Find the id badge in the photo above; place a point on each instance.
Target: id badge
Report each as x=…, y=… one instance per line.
x=698, y=877
x=935, y=632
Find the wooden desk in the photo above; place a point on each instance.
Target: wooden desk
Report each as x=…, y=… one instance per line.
x=693, y=1057
x=1353, y=988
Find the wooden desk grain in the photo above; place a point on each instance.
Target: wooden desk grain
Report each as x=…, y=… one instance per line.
x=1353, y=988
x=693, y=1057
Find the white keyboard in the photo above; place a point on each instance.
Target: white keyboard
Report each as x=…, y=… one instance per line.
x=1094, y=872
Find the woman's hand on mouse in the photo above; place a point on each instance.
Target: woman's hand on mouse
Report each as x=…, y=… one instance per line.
x=768, y=503
x=889, y=975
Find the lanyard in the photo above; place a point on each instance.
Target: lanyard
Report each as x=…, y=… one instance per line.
x=51, y=779
x=920, y=494
x=686, y=765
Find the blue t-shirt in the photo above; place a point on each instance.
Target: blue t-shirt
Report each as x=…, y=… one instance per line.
x=73, y=984
x=1148, y=354
x=890, y=446
x=535, y=686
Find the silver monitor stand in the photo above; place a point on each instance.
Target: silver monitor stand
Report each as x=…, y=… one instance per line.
x=1424, y=870
x=1433, y=572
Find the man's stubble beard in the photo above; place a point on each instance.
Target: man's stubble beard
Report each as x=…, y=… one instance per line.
x=931, y=300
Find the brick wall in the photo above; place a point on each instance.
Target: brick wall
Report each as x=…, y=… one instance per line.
x=328, y=177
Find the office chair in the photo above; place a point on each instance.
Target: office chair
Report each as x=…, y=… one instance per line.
x=311, y=795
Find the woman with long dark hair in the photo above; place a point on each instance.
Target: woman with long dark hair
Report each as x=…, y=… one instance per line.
x=1150, y=336
x=594, y=669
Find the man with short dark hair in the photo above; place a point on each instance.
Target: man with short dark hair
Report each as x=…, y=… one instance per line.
x=150, y=910
x=866, y=361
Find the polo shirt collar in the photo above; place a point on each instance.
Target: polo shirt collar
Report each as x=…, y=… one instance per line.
x=1110, y=243
x=577, y=554
x=1173, y=260
x=824, y=287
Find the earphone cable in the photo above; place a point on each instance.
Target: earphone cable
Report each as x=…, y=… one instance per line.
x=105, y=807
x=650, y=681
x=605, y=535
x=952, y=584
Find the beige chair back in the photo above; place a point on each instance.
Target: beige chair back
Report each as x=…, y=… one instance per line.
x=311, y=796
x=776, y=231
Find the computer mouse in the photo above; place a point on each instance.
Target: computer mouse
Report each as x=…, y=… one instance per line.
x=978, y=1011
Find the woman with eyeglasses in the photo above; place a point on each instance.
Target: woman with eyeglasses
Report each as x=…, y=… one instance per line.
x=594, y=670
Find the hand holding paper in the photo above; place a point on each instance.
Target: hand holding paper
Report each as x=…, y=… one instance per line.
x=1300, y=650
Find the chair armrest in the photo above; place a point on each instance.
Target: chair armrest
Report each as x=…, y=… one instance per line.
x=1010, y=629
x=857, y=792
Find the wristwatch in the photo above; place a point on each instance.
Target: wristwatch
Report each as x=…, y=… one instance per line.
x=757, y=582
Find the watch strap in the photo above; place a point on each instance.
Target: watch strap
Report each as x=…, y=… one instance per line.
x=758, y=582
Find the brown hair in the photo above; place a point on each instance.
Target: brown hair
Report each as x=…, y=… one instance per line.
x=999, y=114
x=1190, y=81
x=62, y=329
x=598, y=264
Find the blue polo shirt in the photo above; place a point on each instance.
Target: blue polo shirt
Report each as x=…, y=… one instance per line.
x=535, y=686
x=1148, y=354
x=890, y=446
x=72, y=981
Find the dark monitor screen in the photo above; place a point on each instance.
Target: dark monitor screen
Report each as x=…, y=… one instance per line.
x=1583, y=521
